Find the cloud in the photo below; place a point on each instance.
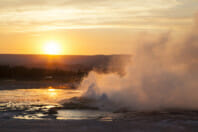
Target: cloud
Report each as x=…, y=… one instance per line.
x=94, y=13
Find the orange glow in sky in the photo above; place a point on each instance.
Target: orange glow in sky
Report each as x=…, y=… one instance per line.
x=105, y=27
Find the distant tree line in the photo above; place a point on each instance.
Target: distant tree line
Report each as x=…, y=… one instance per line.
x=23, y=73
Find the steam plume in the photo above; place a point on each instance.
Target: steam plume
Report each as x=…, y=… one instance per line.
x=163, y=73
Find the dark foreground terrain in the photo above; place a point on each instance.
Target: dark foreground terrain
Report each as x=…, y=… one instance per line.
x=98, y=126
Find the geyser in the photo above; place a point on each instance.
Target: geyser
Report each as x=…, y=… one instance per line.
x=163, y=74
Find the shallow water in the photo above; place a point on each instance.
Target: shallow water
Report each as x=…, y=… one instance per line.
x=35, y=103
x=85, y=114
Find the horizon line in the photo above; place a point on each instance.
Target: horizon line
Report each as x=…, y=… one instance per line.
x=67, y=54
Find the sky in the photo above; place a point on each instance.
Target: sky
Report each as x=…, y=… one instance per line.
x=87, y=27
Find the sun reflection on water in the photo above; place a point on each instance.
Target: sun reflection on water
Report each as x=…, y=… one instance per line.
x=52, y=92
x=51, y=89
x=49, y=95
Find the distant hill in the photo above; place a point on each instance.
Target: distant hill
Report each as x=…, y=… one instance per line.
x=66, y=62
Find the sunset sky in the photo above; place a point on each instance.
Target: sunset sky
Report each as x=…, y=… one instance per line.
x=88, y=26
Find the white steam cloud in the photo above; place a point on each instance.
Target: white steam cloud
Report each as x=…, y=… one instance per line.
x=163, y=74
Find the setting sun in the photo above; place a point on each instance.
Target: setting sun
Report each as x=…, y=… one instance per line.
x=52, y=48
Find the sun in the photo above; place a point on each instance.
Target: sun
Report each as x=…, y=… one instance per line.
x=52, y=48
